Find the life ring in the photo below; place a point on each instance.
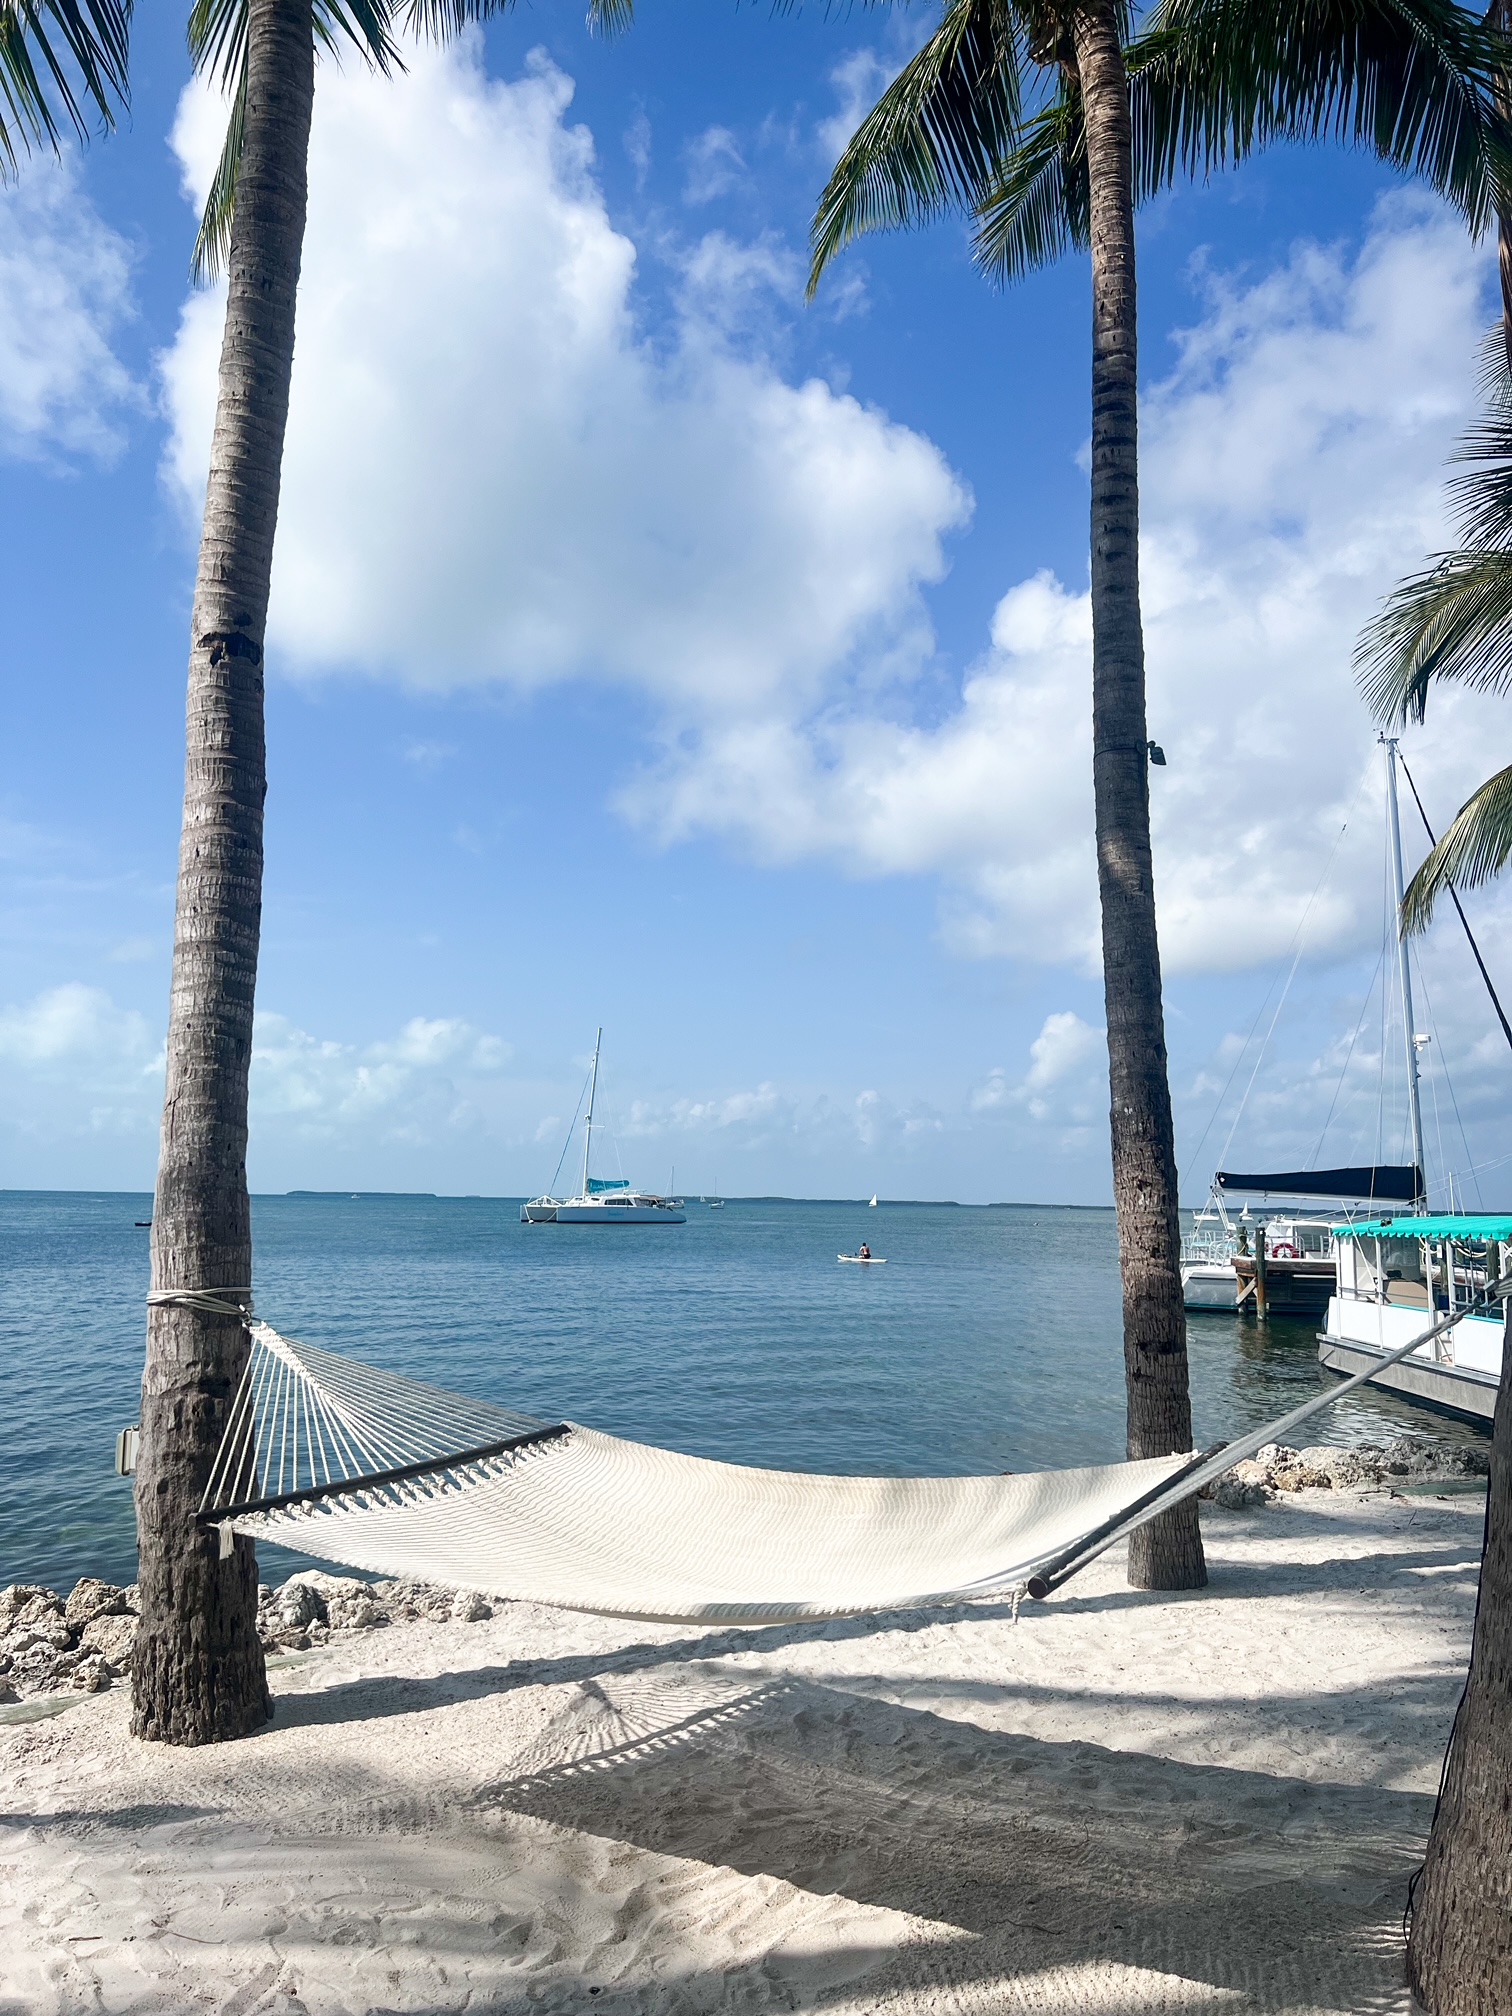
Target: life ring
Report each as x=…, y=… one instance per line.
x=1285, y=1251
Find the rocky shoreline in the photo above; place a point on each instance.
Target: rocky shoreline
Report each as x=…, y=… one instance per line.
x=82, y=1643
x=1278, y=1469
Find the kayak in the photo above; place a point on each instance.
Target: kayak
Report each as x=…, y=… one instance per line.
x=863, y=1259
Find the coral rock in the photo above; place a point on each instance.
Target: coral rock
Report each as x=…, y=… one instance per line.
x=25, y=1607
x=89, y=1599
x=113, y=1638
x=91, y=1676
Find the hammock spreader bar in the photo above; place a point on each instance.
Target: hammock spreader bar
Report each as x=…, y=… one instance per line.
x=1224, y=1455
x=376, y=1479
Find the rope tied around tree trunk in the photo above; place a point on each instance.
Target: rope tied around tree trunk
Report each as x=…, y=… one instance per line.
x=208, y=1301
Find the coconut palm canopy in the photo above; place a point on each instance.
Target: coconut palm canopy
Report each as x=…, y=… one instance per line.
x=988, y=115
x=59, y=60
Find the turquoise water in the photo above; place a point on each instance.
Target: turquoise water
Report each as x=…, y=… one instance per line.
x=989, y=1342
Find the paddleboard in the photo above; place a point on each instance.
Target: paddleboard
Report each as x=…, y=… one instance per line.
x=859, y=1260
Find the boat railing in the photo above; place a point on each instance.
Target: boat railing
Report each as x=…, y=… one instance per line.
x=1210, y=1246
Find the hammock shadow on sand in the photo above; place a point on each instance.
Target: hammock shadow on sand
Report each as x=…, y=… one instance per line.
x=1042, y=1854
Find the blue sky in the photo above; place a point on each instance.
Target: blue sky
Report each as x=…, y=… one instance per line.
x=650, y=649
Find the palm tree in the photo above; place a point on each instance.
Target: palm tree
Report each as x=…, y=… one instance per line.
x=198, y=1669
x=57, y=57
x=1454, y=621
x=1036, y=120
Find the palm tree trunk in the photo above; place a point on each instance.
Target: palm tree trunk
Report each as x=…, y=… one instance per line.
x=199, y=1675
x=1459, y=1957
x=1167, y=1554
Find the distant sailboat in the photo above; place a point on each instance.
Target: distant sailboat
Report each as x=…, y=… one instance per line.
x=602, y=1201
x=874, y=1200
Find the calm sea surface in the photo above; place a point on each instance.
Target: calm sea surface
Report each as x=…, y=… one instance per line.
x=989, y=1342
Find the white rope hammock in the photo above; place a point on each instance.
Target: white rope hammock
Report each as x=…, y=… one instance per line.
x=334, y=1458
x=359, y=1466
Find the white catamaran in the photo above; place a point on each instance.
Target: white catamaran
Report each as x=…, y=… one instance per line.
x=601, y=1201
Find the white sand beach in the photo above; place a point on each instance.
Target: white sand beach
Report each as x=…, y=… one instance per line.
x=1124, y=1803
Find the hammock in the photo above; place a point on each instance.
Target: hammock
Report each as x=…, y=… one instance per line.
x=337, y=1459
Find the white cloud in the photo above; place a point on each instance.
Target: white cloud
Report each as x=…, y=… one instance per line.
x=64, y=293
x=1065, y=1066
x=70, y=1025
x=75, y=1068
x=1063, y=1045
x=859, y=82
x=636, y=140
x=1292, y=468
x=416, y=1087
x=715, y=166
x=492, y=474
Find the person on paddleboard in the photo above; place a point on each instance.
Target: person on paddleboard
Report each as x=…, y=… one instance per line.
x=865, y=1253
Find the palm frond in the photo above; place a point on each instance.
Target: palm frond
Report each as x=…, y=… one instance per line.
x=1476, y=847
x=56, y=58
x=1454, y=621
x=440, y=20
x=1412, y=81
x=1482, y=503
x=937, y=135
x=363, y=25
x=217, y=36
x=213, y=244
x=1039, y=205
x=218, y=44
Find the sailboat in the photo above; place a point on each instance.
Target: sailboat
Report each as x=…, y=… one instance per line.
x=1397, y=1271
x=874, y=1200
x=1287, y=1265
x=601, y=1201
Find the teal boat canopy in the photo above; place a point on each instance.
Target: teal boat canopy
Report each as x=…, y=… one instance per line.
x=1443, y=1225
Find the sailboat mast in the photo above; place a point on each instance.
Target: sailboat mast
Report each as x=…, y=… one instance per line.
x=1404, y=965
x=592, y=1093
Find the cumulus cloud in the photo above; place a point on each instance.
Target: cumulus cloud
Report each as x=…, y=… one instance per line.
x=415, y=1088
x=1065, y=1075
x=69, y=1025
x=77, y=1068
x=1292, y=469
x=64, y=294
x=493, y=474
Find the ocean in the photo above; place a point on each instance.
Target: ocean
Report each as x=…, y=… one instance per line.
x=989, y=1342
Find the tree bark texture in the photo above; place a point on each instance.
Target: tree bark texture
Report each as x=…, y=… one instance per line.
x=199, y=1674
x=1459, y=1957
x=1167, y=1554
